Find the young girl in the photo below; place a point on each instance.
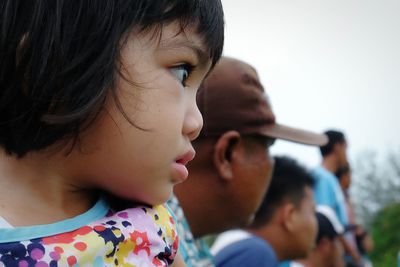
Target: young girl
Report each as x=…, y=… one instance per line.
x=97, y=112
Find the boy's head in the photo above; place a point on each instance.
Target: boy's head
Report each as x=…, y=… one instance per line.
x=288, y=210
x=60, y=60
x=328, y=247
x=232, y=168
x=336, y=147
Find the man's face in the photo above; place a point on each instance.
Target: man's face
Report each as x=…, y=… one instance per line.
x=346, y=180
x=341, y=153
x=305, y=225
x=252, y=170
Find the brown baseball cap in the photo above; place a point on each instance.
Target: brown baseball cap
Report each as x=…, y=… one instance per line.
x=232, y=98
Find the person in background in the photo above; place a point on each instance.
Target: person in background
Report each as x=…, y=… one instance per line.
x=284, y=227
x=232, y=168
x=365, y=244
x=343, y=174
x=327, y=190
x=328, y=251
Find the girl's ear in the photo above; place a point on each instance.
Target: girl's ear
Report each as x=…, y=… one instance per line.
x=223, y=150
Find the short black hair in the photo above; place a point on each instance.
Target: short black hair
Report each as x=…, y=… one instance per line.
x=334, y=137
x=288, y=183
x=59, y=60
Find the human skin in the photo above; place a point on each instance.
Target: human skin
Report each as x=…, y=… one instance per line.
x=139, y=159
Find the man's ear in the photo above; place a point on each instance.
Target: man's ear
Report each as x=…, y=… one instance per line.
x=288, y=217
x=223, y=150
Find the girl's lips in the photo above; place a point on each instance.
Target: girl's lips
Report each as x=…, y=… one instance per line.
x=185, y=158
x=179, y=167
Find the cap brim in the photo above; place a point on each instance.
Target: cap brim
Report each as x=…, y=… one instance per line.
x=287, y=133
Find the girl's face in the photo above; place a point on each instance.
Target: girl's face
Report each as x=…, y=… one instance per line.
x=157, y=91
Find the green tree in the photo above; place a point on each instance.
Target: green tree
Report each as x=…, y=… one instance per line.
x=376, y=184
x=375, y=194
x=386, y=235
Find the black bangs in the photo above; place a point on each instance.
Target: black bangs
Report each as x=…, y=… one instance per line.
x=205, y=15
x=211, y=26
x=59, y=60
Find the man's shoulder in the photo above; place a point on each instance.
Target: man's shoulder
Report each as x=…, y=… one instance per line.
x=322, y=175
x=227, y=238
x=257, y=245
x=252, y=243
x=250, y=251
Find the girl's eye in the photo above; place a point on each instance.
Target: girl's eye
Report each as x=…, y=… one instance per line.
x=182, y=72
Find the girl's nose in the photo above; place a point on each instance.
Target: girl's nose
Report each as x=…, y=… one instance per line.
x=193, y=123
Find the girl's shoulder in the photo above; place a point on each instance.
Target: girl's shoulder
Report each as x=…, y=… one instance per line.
x=142, y=236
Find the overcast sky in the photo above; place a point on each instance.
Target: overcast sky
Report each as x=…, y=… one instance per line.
x=324, y=64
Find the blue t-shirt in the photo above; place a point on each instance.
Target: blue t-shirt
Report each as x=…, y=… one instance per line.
x=252, y=251
x=327, y=192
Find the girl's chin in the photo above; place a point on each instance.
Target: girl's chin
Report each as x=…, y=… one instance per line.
x=179, y=173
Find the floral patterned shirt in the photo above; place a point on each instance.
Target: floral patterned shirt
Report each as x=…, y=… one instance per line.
x=139, y=236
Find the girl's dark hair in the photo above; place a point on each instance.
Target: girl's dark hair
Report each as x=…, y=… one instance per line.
x=59, y=60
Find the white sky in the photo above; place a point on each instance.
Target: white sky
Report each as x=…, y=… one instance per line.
x=324, y=64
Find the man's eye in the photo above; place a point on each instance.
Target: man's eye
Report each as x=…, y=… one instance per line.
x=182, y=72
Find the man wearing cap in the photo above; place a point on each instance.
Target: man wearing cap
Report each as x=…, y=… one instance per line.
x=232, y=169
x=284, y=227
x=328, y=250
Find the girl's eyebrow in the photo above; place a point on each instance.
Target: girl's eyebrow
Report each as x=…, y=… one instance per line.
x=202, y=56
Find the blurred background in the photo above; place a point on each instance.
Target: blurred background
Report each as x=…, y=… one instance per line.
x=333, y=64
